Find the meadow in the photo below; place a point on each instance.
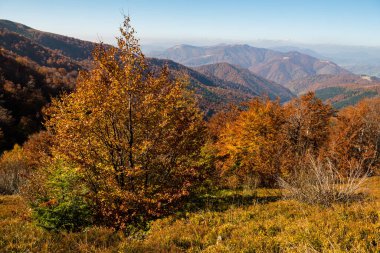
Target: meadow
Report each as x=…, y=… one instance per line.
x=251, y=220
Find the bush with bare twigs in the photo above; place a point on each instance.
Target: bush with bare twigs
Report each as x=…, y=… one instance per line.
x=319, y=182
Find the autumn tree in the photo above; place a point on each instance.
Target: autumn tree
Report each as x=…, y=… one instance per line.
x=210, y=153
x=134, y=135
x=306, y=129
x=249, y=146
x=355, y=137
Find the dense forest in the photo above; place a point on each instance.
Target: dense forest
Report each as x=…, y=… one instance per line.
x=124, y=155
x=25, y=88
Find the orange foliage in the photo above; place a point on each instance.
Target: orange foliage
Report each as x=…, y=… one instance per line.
x=268, y=140
x=37, y=149
x=355, y=137
x=249, y=145
x=306, y=129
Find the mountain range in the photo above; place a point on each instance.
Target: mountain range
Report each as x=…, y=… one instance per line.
x=299, y=72
x=215, y=90
x=273, y=65
x=361, y=60
x=245, y=78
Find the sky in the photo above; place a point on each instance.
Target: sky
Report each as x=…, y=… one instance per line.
x=342, y=22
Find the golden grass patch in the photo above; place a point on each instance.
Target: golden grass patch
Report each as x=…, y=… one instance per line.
x=273, y=226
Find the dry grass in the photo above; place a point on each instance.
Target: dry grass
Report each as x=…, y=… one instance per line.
x=246, y=226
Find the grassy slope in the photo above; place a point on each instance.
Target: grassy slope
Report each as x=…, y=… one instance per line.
x=341, y=97
x=241, y=222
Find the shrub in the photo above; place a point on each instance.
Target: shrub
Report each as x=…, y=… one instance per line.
x=320, y=182
x=18, y=165
x=61, y=205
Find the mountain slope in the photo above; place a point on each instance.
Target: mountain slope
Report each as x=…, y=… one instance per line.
x=38, y=53
x=213, y=93
x=248, y=81
x=317, y=82
x=25, y=88
x=70, y=47
x=273, y=65
x=342, y=96
x=339, y=90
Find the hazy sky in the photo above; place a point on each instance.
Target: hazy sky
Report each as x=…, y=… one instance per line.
x=348, y=22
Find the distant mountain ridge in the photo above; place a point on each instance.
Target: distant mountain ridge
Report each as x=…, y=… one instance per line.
x=43, y=56
x=317, y=82
x=296, y=71
x=247, y=80
x=220, y=84
x=279, y=67
x=339, y=90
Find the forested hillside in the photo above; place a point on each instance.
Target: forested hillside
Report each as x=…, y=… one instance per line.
x=70, y=47
x=25, y=88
